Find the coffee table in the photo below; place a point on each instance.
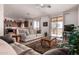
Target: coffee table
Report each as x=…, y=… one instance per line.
x=50, y=42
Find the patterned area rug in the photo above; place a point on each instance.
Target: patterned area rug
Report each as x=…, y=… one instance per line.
x=37, y=47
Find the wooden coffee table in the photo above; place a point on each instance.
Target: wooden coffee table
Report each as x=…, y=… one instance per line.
x=50, y=42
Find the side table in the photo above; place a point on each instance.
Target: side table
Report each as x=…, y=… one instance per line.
x=17, y=37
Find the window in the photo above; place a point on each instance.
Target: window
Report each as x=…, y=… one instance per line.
x=36, y=25
x=57, y=26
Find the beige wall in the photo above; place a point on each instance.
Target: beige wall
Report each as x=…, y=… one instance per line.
x=78, y=17
x=71, y=16
x=45, y=29
x=1, y=21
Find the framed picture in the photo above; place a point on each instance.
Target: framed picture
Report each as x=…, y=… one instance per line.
x=26, y=23
x=45, y=23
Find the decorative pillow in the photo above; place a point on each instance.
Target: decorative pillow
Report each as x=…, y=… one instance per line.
x=27, y=32
x=32, y=31
x=7, y=38
x=23, y=36
x=21, y=31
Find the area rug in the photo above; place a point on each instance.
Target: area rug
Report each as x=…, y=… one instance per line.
x=37, y=47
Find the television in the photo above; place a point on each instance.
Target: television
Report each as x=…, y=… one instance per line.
x=9, y=30
x=69, y=27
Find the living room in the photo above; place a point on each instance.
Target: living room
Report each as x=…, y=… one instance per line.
x=33, y=29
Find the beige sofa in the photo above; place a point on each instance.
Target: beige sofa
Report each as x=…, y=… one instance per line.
x=20, y=49
x=15, y=49
x=28, y=34
x=23, y=50
x=6, y=49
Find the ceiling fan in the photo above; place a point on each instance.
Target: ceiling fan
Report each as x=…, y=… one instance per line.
x=44, y=5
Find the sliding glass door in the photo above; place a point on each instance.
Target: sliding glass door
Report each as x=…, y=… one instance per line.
x=57, y=26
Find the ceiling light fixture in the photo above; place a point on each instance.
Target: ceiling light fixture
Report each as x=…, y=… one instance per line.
x=45, y=5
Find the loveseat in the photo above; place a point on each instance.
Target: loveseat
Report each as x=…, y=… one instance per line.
x=28, y=34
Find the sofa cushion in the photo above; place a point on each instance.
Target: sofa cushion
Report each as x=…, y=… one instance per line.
x=26, y=31
x=32, y=31
x=31, y=52
x=57, y=51
x=22, y=46
x=6, y=49
x=23, y=50
x=39, y=35
x=23, y=36
x=17, y=49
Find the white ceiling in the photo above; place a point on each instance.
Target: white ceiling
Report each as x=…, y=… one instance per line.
x=34, y=10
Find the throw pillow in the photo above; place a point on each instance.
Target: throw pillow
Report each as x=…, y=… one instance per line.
x=7, y=38
x=23, y=36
